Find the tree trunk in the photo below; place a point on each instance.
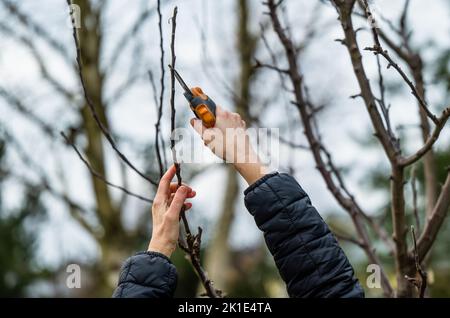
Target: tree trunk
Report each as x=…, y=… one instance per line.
x=218, y=252
x=217, y=259
x=90, y=42
x=402, y=260
x=107, y=212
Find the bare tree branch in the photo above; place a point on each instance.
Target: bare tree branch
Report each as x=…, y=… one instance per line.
x=414, y=61
x=193, y=242
x=128, y=36
x=378, y=50
x=161, y=96
x=435, y=220
x=347, y=238
x=101, y=177
x=76, y=210
x=36, y=28
x=123, y=88
x=345, y=11
x=12, y=100
x=99, y=123
x=442, y=120
x=26, y=41
x=162, y=160
x=341, y=194
x=420, y=281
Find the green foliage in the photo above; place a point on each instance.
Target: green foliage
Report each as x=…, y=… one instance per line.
x=18, y=240
x=187, y=279
x=442, y=71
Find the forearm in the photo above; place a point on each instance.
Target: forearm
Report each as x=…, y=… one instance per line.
x=248, y=164
x=251, y=172
x=161, y=247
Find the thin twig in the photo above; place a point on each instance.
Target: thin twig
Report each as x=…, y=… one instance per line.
x=193, y=242
x=27, y=113
x=77, y=210
x=384, y=107
x=162, y=162
x=441, y=121
x=259, y=64
x=36, y=28
x=100, y=176
x=347, y=238
x=161, y=96
x=435, y=220
x=420, y=281
x=377, y=49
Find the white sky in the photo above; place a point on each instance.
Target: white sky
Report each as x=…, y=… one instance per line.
x=327, y=71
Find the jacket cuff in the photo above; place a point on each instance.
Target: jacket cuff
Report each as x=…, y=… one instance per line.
x=154, y=254
x=150, y=269
x=260, y=181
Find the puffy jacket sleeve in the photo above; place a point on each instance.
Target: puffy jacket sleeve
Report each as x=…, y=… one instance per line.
x=306, y=253
x=147, y=275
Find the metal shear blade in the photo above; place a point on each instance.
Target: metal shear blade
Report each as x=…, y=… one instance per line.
x=181, y=81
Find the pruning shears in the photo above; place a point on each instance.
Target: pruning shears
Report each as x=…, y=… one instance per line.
x=203, y=107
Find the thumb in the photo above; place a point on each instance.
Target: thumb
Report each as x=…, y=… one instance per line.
x=197, y=124
x=177, y=203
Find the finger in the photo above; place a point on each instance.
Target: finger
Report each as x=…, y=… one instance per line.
x=187, y=206
x=177, y=203
x=220, y=111
x=198, y=126
x=190, y=195
x=210, y=135
x=174, y=186
x=164, y=184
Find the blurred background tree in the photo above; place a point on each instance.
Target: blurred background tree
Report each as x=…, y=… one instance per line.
x=18, y=233
x=224, y=46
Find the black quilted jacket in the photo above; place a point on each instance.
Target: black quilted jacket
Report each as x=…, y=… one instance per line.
x=307, y=255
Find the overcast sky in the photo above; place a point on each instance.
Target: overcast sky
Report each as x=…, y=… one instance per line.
x=327, y=72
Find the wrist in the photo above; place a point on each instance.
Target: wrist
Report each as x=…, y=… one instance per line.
x=249, y=165
x=165, y=249
x=251, y=172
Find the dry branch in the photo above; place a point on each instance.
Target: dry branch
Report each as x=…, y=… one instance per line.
x=89, y=102
x=345, y=9
x=35, y=27
x=324, y=165
x=193, y=242
x=441, y=121
x=420, y=281
x=99, y=176
x=435, y=220
x=398, y=162
x=161, y=96
x=12, y=100
x=77, y=211
x=378, y=50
